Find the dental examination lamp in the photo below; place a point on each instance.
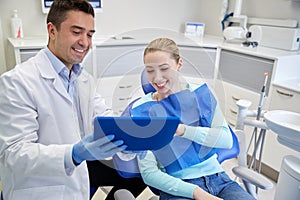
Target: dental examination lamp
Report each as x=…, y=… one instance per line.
x=236, y=32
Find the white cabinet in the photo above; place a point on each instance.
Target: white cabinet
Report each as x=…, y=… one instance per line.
x=119, y=91
x=241, y=76
x=118, y=60
x=285, y=95
x=245, y=70
x=118, y=69
x=21, y=55
x=281, y=99
x=198, y=62
x=284, y=99
x=228, y=94
x=25, y=54
x=21, y=50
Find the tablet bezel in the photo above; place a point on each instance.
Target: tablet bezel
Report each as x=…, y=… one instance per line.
x=157, y=131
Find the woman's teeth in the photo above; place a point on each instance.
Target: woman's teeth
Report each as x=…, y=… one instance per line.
x=161, y=84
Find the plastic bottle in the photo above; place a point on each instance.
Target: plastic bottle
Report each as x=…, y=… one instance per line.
x=16, y=26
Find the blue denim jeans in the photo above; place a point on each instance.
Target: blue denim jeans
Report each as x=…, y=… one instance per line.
x=219, y=185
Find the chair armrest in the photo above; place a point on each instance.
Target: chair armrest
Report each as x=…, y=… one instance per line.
x=252, y=177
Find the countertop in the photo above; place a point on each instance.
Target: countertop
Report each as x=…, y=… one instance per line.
x=208, y=41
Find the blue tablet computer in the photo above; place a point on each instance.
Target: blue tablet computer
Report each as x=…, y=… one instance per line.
x=138, y=133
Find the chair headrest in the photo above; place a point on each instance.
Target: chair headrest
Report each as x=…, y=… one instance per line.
x=146, y=85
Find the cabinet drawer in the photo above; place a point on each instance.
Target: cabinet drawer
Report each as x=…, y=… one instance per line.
x=230, y=94
x=106, y=86
x=232, y=112
x=25, y=54
x=245, y=70
x=198, y=62
x=119, y=103
x=119, y=85
x=119, y=91
x=119, y=60
x=284, y=99
x=198, y=80
x=231, y=122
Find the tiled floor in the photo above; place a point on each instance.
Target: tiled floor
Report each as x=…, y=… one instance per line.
x=227, y=165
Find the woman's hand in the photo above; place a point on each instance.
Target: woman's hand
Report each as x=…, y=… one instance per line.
x=180, y=130
x=200, y=194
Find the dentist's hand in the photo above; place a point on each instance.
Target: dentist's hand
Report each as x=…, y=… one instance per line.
x=89, y=149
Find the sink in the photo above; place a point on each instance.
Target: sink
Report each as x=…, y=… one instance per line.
x=287, y=125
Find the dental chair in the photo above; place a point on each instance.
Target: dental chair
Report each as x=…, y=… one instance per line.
x=129, y=169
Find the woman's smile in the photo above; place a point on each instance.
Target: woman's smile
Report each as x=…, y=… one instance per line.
x=161, y=85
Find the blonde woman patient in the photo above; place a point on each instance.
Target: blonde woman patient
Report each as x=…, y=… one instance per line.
x=187, y=168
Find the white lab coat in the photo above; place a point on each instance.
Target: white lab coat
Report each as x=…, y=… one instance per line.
x=37, y=127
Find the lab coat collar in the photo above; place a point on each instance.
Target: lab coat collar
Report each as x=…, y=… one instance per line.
x=47, y=72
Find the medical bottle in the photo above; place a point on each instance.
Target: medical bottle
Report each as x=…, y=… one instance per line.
x=16, y=26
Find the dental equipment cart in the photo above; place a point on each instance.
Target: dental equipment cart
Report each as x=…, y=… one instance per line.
x=287, y=125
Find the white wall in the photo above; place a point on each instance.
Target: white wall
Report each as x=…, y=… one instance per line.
x=126, y=15
x=121, y=16
x=118, y=16
x=2, y=52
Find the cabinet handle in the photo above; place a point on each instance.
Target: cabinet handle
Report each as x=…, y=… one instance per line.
x=284, y=93
x=125, y=86
x=124, y=98
x=233, y=111
x=231, y=124
x=235, y=98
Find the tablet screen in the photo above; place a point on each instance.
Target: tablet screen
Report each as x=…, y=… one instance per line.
x=138, y=133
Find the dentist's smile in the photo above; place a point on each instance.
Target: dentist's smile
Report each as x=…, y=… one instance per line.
x=79, y=50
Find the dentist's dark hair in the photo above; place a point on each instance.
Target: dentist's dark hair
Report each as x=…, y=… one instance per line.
x=59, y=8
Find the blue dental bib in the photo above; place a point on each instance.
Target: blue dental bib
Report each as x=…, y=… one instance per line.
x=193, y=108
